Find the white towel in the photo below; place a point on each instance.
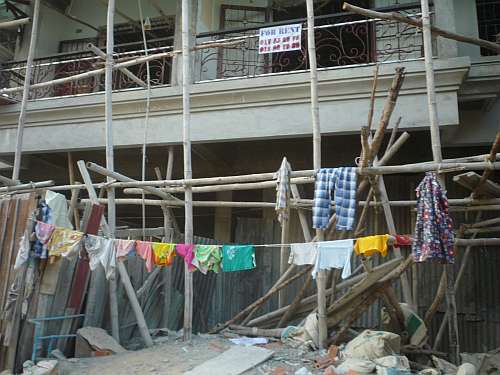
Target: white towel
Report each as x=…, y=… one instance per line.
x=334, y=254
x=101, y=250
x=303, y=253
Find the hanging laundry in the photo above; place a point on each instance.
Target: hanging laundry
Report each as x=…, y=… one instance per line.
x=163, y=253
x=186, y=251
x=64, y=242
x=207, y=258
x=44, y=215
x=342, y=183
x=59, y=206
x=334, y=254
x=101, y=251
x=403, y=240
x=123, y=247
x=370, y=245
x=283, y=190
x=43, y=231
x=145, y=251
x=238, y=258
x=434, y=237
x=303, y=253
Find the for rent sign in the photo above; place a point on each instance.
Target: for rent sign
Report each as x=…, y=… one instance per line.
x=280, y=38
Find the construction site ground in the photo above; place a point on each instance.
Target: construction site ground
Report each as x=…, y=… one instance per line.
x=171, y=355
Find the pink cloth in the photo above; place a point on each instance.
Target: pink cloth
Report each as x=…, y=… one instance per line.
x=145, y=251
x=186, y=251
x=123, y=247
x=44, y=231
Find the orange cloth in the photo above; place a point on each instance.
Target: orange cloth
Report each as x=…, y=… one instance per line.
x=370, y=245
x=163, y=253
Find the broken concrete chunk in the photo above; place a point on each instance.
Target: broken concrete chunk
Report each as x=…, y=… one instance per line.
x=95, y=342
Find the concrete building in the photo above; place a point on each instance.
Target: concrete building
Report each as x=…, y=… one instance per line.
x=248, y=109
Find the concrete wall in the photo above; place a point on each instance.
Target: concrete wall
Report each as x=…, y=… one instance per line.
x=259, y=108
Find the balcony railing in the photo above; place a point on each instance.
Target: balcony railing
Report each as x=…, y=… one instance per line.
x=68, y=64
x=342, y=39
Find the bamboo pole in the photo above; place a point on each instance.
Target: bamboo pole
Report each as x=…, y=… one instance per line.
x=26, y=90
x=136, y=307
x=372, y=98
x=73, y=209
x=27, y=187
x=486, y=174
x=186, y=143
x=91, y=47
x=108, y=108
x=15, y=23
x=316, y=130
x=394, y=16
x=7, y=181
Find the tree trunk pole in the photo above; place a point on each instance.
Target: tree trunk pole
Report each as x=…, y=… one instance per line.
x=186, y=142
x=438, y=157
x=311, y=47
x=26, y=90
x=110, y=163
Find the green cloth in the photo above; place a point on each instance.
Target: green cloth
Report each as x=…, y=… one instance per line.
x=207, y=258
x=238, y=258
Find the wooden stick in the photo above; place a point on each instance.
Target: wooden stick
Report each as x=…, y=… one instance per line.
x=15, y=23
x=254, y=331
x=394, y=16
x=394, y=132
x=141, y=322
x=389, y=106
x=7, y=181
x=26, y=91
x=292, y=308
x=486, y=174
x=372, y=98
x=91, y=47
x=186, y=142
x=483, y=223
x=30, y=186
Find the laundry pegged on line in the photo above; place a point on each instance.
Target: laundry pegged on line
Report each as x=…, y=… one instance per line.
x=101, y=251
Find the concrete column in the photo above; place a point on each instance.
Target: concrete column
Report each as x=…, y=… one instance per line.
x=444, y=17
x=223, y=222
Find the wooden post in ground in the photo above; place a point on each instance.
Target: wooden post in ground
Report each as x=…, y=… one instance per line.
x=438, y=157
x=311, y=48
x=136, y=307
x=186, y=143
x=108, y=105
x=26, y=90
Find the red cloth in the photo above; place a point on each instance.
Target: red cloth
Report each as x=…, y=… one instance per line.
x=403, y=240
x=145, y=251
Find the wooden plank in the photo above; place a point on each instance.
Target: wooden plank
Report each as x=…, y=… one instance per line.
x=234, y=361
x=470, y=180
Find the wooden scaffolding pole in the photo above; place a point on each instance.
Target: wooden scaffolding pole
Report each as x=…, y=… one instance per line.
x=110, y=164
x=313, y=67
x=26, y=91
x=438, y=157
x=188, y=174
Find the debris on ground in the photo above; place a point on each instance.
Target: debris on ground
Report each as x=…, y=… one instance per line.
x=95, y=342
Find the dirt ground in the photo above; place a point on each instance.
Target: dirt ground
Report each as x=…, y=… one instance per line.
x=170, y=355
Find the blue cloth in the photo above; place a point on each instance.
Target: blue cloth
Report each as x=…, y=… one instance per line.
x=341, y=181
x=45, y=215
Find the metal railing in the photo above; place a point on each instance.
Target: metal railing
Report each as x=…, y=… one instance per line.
x=341, y=40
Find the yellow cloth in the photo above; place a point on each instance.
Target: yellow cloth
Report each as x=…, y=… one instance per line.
x=64, y=242
x=163, y=253
x=371, y=245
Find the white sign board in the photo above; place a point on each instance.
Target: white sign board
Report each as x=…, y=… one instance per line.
x=280, y=38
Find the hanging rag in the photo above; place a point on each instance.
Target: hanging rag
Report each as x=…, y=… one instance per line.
x=145, y=251
x=402, y=240
x=23, y=252
x=207, y=258
x=303, y=253
x=434, y=237
x=64, y=242
x=43, y=231
x=342, y=182
x=186, y=251
x=123, y=248
x=283, y=191
x=334, y=254
x=101, y=251
x=238, y=258
x=370, y=245
x=163, y=253
x=44, y=215
x=59, y=206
